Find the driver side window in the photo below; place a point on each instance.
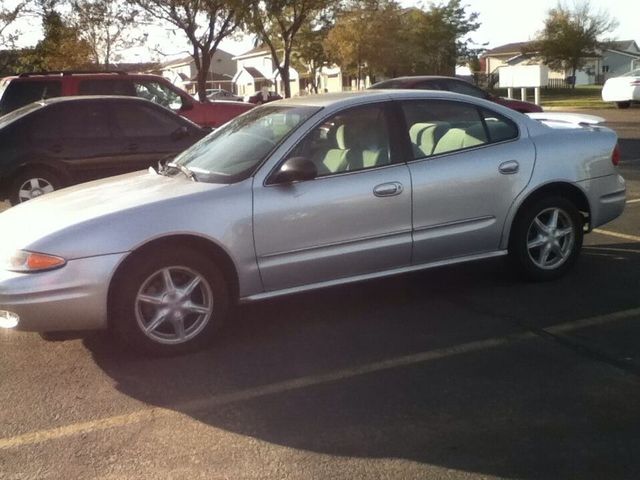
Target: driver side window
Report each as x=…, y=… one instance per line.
x=353, y=140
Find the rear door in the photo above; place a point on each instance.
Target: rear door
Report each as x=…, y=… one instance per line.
x=78, y=136
x=467, y=166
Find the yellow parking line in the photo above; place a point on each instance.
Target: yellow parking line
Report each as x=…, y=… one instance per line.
x=152, y=413
x=624, y=236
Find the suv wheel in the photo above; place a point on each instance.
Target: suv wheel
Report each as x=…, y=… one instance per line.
x=33, y=183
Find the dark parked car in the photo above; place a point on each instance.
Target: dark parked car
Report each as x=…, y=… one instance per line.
x=17, y=91
x=258, y=98
x=452, y=84
x=62, y=141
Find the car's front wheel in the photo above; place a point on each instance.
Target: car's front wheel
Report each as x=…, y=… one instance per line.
x=168, y=302
x=33, y=183
x=546, y=238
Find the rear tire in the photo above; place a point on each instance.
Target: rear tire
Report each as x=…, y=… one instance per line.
x=623, y=104
x=168, y=302
x=546, y=238
x=32, y=183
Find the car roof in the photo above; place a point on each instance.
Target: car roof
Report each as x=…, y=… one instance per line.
x=346, y=98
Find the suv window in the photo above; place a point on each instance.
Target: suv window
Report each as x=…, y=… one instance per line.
x=86, y=120
x=106, y=86
x=441, y=126
x=143, y=121
x=20, y=93
x=158, y=93
x=356, y=139
x=465, y=88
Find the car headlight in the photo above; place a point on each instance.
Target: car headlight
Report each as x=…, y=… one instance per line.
x=24, y=261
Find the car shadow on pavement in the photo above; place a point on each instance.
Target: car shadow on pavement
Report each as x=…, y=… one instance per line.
x=525, y=407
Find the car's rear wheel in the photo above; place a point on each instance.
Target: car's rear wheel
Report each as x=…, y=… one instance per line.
x=33, y=183
x=623, y=104
x=167, y=303
x=546, y=238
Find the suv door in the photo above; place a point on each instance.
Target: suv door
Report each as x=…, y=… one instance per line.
x=353, y=219
x=467, y=166
x=78, y=135
x=148, y=133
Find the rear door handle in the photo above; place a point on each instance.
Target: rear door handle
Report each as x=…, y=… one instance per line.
x=388, y=189
x=507, y=168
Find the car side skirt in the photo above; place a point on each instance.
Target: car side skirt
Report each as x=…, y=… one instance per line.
x=371, y=276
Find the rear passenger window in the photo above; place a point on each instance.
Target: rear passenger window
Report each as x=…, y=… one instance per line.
x=499, y=128
x=440, y=126
x=106, y=87
x=142, y=121
x=21, y=93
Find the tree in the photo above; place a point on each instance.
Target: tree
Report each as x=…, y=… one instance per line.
x=310, y=53
x=61, y=47
x=106, y=26
x=366, y=39
x=277, y=23
x=8, y=15
x=444, y=42
x=571, y=36
x=205, y=23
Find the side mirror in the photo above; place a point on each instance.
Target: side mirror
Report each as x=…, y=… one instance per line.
x=295, y=169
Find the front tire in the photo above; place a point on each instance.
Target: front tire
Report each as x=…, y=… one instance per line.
x=167, y=303
x=33, y=183
x=546, y=238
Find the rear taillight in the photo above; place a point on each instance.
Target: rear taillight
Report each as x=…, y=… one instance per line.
x=615, y=156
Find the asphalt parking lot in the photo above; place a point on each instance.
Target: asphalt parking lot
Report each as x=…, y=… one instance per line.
x=463, y=372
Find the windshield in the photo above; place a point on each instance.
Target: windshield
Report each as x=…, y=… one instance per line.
x=234, y=151
x=633, y=73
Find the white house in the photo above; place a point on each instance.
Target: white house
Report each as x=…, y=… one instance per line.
x=613, y=60
x=182, y=71
x=255, y=69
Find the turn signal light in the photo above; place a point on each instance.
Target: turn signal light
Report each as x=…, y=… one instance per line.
x=615, y=156
x=22, y=261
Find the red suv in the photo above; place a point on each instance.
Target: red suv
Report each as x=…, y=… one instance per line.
x=452, y=84
x=25, y=88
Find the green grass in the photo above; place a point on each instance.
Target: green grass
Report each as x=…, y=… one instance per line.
x=587, y=96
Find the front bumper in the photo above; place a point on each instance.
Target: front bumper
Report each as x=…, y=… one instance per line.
x=73, y=297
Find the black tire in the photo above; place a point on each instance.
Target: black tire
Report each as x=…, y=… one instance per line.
x=562, y=248
x=144, y=274
x=623, y=104
x=36, y=180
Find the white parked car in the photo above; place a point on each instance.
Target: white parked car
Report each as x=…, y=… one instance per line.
x=623, y=90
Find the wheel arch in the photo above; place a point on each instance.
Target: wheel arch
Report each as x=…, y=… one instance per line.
x=196, y=243
x=564, y=189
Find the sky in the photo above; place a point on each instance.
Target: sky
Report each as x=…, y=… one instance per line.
x=502, y=21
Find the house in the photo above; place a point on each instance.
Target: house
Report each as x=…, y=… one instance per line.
x=613, y=60
x=183, y=72
x=256, y=69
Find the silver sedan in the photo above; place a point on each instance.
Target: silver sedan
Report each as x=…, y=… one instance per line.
x=303, y=194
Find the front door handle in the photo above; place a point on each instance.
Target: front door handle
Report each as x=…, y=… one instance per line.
x=388, y=189
x=507, y=168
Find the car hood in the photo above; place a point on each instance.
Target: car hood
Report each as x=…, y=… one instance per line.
x=60, y=213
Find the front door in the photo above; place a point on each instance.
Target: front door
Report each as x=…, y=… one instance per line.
x=353, y=219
